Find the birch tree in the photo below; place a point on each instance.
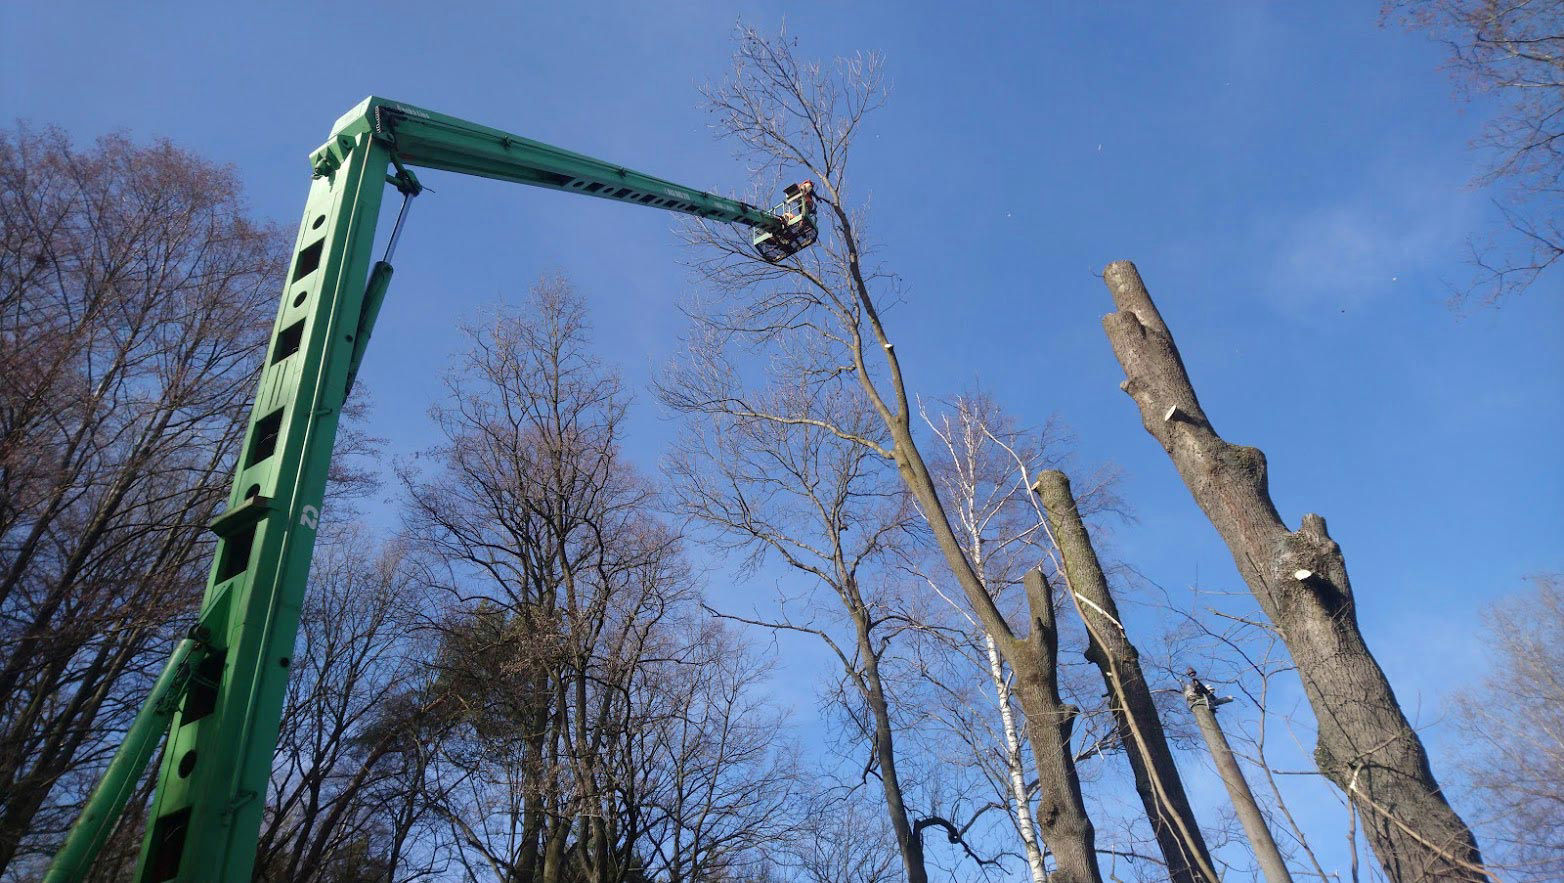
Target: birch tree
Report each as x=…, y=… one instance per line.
x=974, y=444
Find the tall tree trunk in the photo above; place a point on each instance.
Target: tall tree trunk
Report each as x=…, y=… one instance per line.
x=908, y=841
x=1140, y=728
x=1365, y=744
x=1061, y=811
x=1067, y=829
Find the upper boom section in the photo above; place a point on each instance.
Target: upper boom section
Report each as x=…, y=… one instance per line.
x=424, y=138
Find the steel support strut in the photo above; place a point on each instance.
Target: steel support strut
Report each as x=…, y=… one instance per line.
x=146, y=732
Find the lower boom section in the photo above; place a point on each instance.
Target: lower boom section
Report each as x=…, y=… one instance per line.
x=211, y=789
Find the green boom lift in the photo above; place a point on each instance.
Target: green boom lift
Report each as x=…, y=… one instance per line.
x=219, y=700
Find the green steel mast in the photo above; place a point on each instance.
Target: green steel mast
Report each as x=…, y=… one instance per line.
x=219, y=700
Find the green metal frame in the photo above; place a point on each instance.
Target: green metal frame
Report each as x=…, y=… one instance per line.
x=219, y=700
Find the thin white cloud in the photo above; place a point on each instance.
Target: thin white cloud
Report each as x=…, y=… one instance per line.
x=1403, y=232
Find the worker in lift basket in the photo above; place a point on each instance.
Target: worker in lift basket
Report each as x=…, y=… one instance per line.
x=806, y=203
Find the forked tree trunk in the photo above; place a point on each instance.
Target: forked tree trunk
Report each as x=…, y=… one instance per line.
x=1067, y=830
x=1061, y=811
x=1134, y=711
x=1365, y=744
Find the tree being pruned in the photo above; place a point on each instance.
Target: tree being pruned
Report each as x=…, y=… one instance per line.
x=816, y=320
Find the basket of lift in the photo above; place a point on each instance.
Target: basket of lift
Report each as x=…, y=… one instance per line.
x=796, y=229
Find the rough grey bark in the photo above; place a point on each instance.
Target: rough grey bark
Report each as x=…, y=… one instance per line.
x=1061, y=811
x=1365, y=744
x=1135, y=712
x=1203, y=705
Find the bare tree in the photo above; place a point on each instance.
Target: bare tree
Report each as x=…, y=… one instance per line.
x=135, y=299
x=842, y=841
x=826, y=507
x=1512, y=727
x=722, y=786
x=325, y=818
x=1514, y=51
x=1366, y=745
x=822, y=309
x=541, y=541
x=574, y=696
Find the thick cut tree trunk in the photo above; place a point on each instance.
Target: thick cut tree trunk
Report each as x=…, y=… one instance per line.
x=1365, y=744
x=1061, y=811
x=1140, y=728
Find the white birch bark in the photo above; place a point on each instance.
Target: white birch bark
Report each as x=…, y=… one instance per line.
x=1022, y=808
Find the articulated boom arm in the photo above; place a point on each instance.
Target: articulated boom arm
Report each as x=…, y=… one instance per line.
x=430, y=140
x=220, y=698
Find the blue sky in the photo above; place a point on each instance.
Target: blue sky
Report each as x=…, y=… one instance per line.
x=1292, y=180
